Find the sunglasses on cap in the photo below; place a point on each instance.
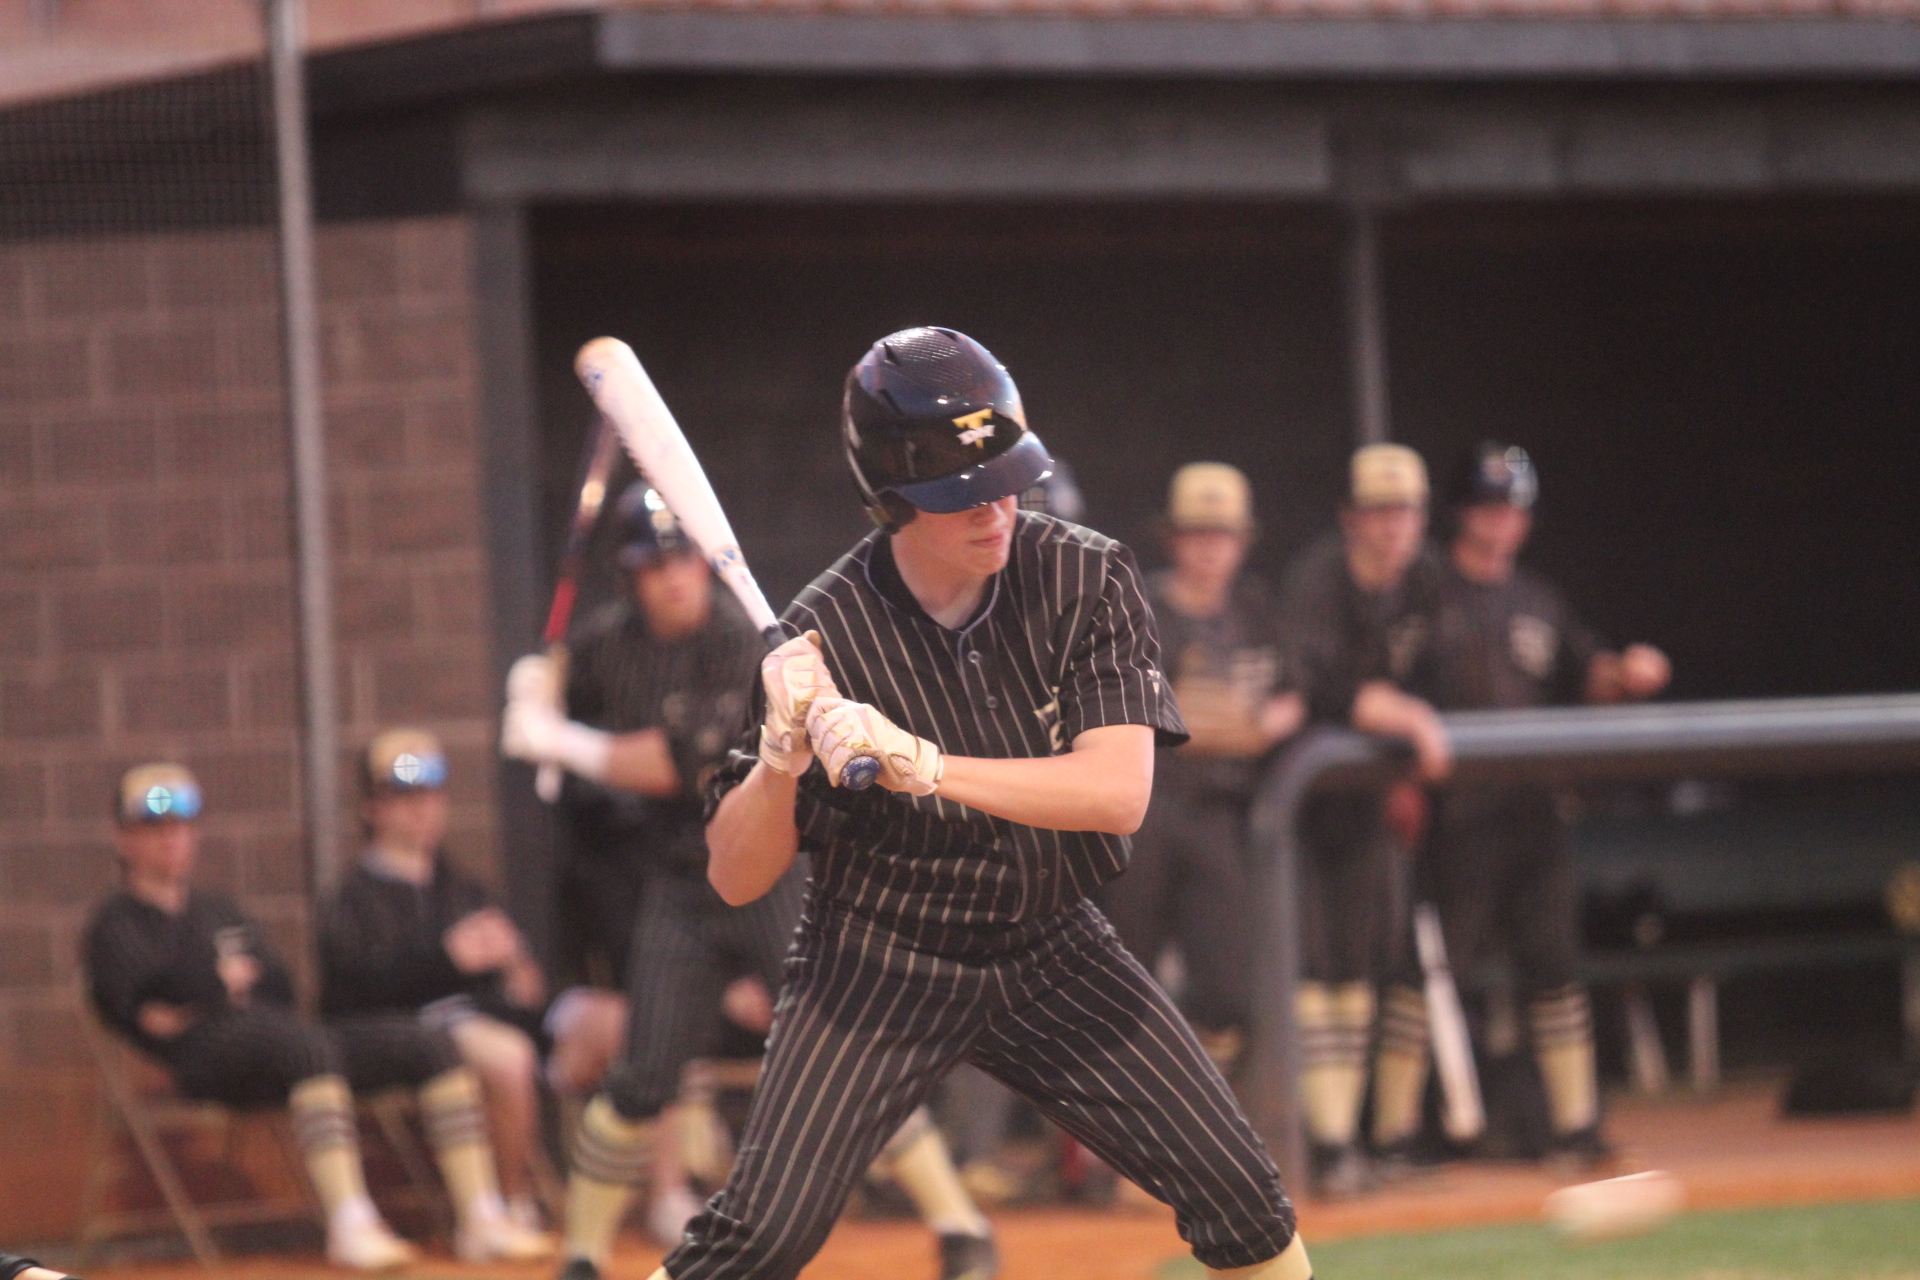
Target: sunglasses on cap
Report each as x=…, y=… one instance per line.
x=415, y=771
x=175, y=800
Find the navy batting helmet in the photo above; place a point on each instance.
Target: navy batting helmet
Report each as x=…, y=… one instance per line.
x=932, y=422
x=1495, y=472
x=647, y=529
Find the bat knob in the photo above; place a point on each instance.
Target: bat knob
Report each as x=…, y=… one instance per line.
x=860, y=773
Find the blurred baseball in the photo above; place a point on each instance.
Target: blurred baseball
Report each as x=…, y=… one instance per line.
x=1616, y=1207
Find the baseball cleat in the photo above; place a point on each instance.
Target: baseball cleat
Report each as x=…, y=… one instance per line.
x=968, y=1258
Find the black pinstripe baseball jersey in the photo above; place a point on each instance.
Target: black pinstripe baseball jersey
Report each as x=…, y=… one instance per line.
x=1063, y=642
x=622, y=678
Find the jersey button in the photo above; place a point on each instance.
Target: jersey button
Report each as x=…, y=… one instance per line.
x=993, y=703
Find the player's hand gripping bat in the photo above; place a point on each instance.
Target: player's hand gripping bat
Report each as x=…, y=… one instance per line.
x=628, y=399
x=1463, y=1115
x=595, y=472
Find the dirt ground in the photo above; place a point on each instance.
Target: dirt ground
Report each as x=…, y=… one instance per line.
x=1729, y=1151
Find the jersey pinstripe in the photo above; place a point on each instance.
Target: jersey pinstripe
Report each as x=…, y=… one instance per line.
x=1063, y=643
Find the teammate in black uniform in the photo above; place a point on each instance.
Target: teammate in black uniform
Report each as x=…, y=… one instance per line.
x=1496, y=863
x=1187, y=880
x=1002, y=668
x=408, y=932
x=191, y=981
x=675, y=676
x=1358, y=614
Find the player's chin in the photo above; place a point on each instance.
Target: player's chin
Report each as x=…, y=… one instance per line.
x=989, y=555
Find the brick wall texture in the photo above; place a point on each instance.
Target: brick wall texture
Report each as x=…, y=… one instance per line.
x=146, y=589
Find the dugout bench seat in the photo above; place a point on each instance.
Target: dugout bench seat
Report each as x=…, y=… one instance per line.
x=1703, y=967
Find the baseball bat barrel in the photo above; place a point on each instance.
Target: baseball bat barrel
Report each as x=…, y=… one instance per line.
x=1464, y=1115
x=621, y=389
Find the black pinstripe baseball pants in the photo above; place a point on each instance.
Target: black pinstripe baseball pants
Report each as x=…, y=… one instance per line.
x=1056, y=1009
x=687, y=945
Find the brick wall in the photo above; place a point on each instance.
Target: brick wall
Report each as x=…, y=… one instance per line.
x=146, y=593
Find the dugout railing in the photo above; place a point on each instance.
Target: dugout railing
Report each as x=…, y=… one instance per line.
x=1558, y=746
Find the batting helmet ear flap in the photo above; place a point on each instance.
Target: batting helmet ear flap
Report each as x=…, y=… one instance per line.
x=888, y=511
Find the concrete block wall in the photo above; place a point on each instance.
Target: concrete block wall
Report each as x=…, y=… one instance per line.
x=146, y=590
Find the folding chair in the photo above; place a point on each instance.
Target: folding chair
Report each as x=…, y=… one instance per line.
x=138, y=1101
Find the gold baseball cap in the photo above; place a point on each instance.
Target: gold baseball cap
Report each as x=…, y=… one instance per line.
x=404, y=760
x=158, y=792
x=1388, y=475
x=1209, y=496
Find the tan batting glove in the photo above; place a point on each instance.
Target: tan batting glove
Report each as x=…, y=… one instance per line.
x=793, y=675
x=842, y=730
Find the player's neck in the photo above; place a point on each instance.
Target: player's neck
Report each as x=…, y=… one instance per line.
x=1478, y=562
x=169, y=893
x=1371, y=571
x=402, y=861
x=949, y=593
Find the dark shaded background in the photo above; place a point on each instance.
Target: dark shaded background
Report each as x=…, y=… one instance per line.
x=1719, y=394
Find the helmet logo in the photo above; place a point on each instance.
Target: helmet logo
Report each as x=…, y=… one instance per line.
x=975, y=427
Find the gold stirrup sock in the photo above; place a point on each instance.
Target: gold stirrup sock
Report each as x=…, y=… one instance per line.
x=329, y=1142
x=1291, y=1264
x=1563, y=1045
x=457, y=1130
x=924, y=1168
x=1334, y=1023
x=1400, y=1066
x=610, y=1158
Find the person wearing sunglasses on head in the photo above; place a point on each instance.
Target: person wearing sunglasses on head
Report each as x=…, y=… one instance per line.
x=188, y=979
x=409, y=933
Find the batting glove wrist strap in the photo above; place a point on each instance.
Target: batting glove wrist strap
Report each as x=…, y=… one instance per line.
x=783, y=755
x=843, y=731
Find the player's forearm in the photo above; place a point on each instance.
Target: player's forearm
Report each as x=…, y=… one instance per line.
x=752, y=839
x=1100, y=788
x=1383, y=709
x=642, y=762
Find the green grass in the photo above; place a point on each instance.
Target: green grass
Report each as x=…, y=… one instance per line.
x=1868, y=1241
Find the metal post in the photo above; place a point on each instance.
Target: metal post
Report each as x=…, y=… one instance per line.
x=1367, y=339
x=1703, y=1032
x=1273, y=1062
x=312, y=545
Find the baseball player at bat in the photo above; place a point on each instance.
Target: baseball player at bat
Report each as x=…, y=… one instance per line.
x=1002, y=668
x=668, y=682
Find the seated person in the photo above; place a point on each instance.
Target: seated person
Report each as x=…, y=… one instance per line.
x=191, y=982
x=408, y=933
